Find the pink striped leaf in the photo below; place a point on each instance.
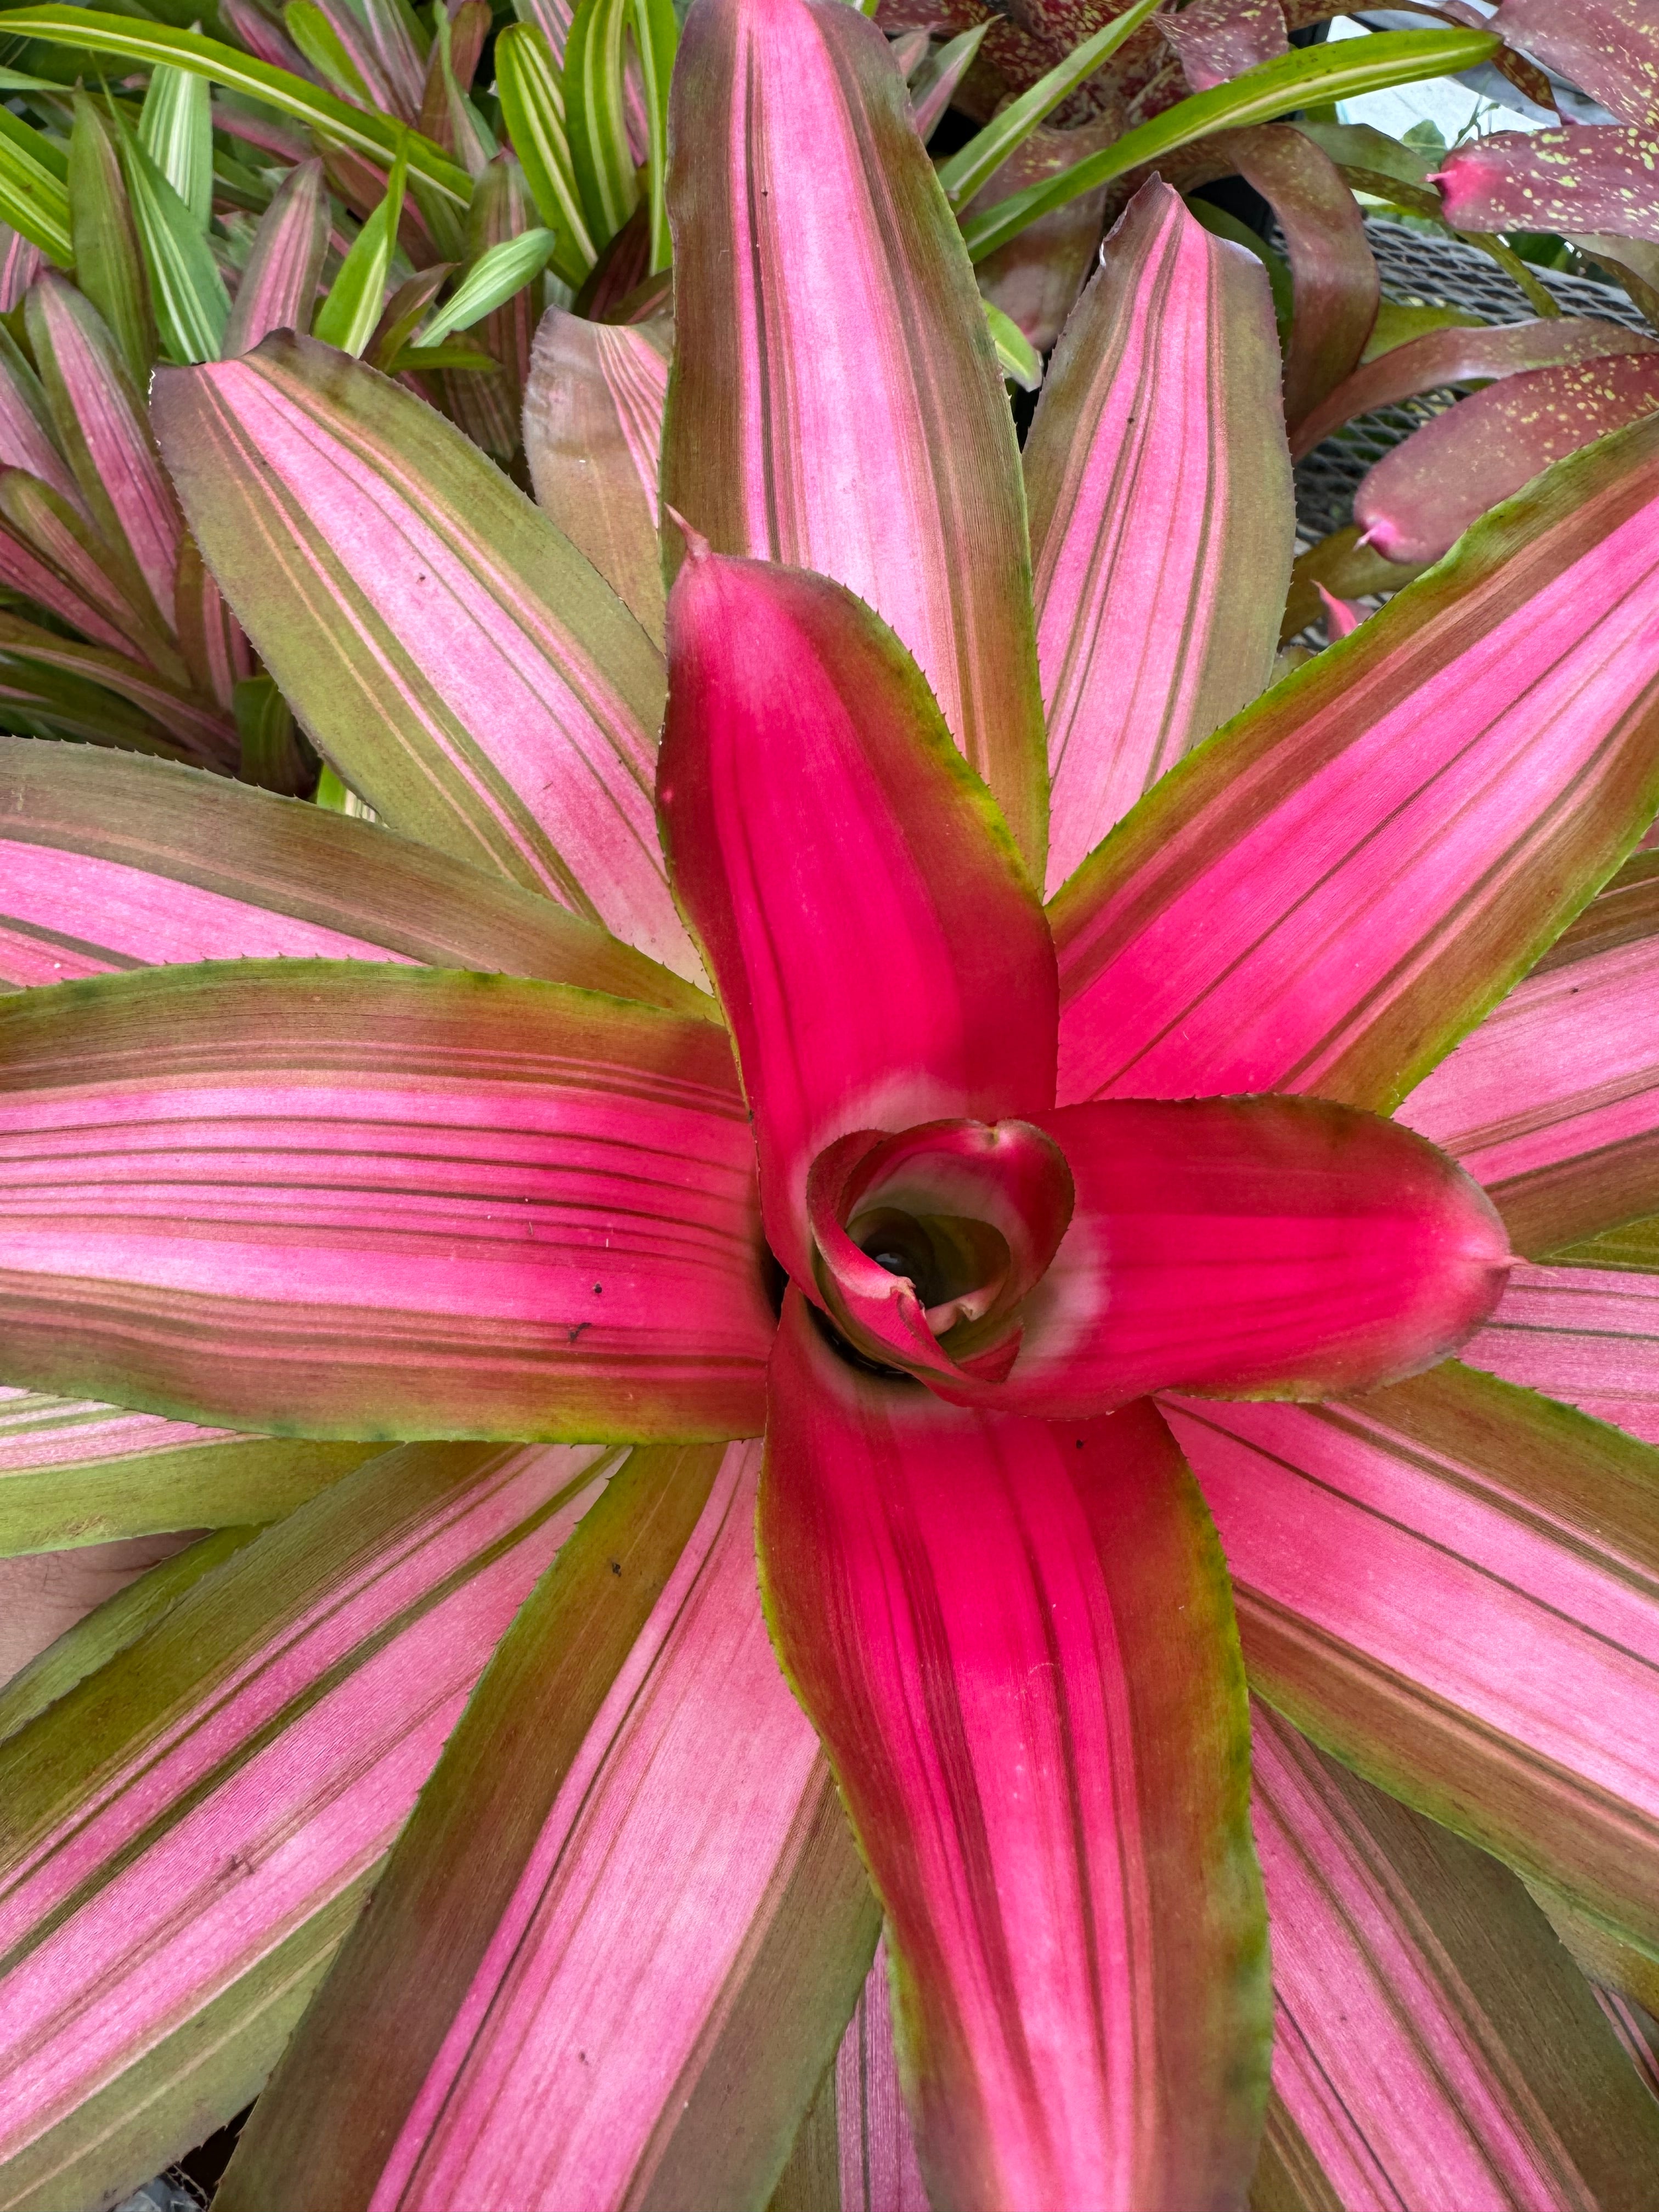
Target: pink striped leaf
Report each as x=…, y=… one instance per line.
x=60, y=534
x=345, y=1200
x=877, y=947
x=614, y=1949
x=104, y=431
x=1161, y=516
x=26, y=434
x=1593, y=177
x=1334, y=272
x=1460, y=356
x=74, y=1473
x=1553, y=1102
x=1434, y=2046
x=1454, y=1585
x=1463, y=771
x=1609, y=48
x=592, y=436
x=1217, y=39
x=25, y=570
x=278, y=288
x=836, y=401
x=449, y=650
x=1587, y=1335
x=1420, y=497
x=1017, y=1643
x=185, y=1837
x=199, y=731
x=854, y=2152
x=212, y=642
x=109, y=862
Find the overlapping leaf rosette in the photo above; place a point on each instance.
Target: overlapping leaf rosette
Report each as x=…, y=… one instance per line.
x=1045, y=1284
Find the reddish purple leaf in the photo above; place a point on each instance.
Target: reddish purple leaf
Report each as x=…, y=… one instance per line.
x=1161, y=516
x=1462, y=356
x=279, y=285
x=1421, y=497
x=890, y=968
x=1462, y=772
x=1257, y=1247
x=806, y=217
x=25, y=439
x=341, y=1200
x=1586, y=176
x=1337, y=288
x=1433, y=2043
x=1216, y=39
x=1036, y=278
x=1454, y=1585
x=1610, y=48
x=1015, y=1640
x=569, y=1991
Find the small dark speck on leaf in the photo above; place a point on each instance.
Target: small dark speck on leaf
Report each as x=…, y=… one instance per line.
x=571, y=1335
x=616, y=1566
x=597, y=1289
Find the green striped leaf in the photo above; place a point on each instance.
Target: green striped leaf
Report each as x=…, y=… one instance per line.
x=494, y=278
x=88, y=30
x=175, y=129
x=596, y=119
x=109, y=265
x=348, y=316
x=1306, y=76
x=73, y=1472
x=974, y=164
x=528, y=86
x=191, y=304
x=33, y=196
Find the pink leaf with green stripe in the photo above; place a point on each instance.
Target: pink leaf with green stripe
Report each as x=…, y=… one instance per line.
x=343, y=1200
x=1016, y=1642
x=26, y=437
x=1434, y=2045
x=1161, y=516
x=893, y=965
x=478, y=2044
x=1553, y=1102
x=188, y=1833
x=836, y=401
x=463, y=667
x=103, y=428
x=1462, y=772
x=278, y=288
x=592, y=436
x=74, y=1473
x=1588, y=1335
x=1462, y=356
x=1454, y=1585
x=111, y=862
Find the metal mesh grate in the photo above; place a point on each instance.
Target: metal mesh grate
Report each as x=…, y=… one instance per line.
x=1421, y=270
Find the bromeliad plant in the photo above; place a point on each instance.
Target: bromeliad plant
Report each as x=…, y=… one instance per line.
x=1029, y=1236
